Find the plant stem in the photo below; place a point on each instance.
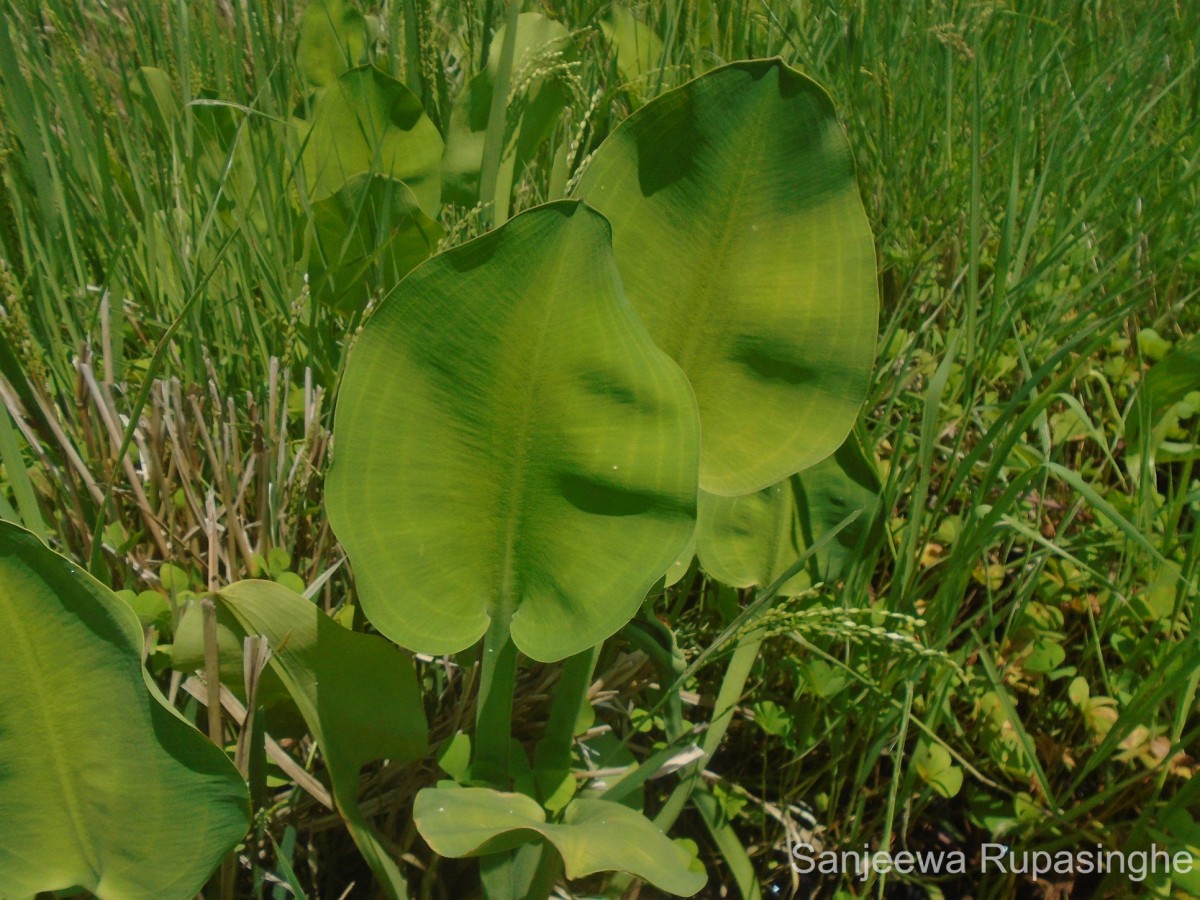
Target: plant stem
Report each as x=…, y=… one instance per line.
x=492, y=761
x=657, y=641
x=553, y=754
x=493, y=717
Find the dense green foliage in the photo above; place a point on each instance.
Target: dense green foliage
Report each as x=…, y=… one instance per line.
x=973, y=624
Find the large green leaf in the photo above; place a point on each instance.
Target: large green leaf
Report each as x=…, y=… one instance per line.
x=750, y=541
x=357, y=693
x=636, y=48
x=743, y=245
x=593, y=836
x=367, y=121
x=367, y=236
x=510, y=442
x=103, y=786
x=333, y=38
x=542, y=47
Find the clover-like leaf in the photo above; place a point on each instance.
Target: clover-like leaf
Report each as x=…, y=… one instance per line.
x=510, y=442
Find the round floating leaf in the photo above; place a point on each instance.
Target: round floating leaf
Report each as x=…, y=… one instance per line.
x=743, y=245
x=750, y=541
x=367, y=121
x=510, y=442
x=594, y=835
x=103, y=786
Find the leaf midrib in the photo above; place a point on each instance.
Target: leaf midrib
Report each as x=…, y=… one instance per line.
x=512, y=507
x=708, y=276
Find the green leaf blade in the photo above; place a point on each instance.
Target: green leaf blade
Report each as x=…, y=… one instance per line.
x=102, y=785
x=751, y=541
x=594, y=835
x=511, y=443
x=1167, y=382
x=367, y=121
x=370, y=233
x=744, y=246
x=333, y=38
x=357, y=693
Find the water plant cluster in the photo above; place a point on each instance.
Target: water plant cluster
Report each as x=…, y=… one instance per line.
x=555, y=450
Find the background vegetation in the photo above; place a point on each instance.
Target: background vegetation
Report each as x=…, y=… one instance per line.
x=1015, y=661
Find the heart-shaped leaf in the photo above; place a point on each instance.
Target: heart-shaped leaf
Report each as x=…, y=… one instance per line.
x=368, y=235
x=103, y=786
x=367, y=121
x=743, y=245
x=510, y=442
x=593, y=836
x=357, y=693
x=333, y=38
x=750, y=541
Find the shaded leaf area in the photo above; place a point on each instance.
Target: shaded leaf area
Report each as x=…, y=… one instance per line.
x=751, y=541
x=367, y=121
x=103, y=786
x=593, y=836
x=1168, y=383
x=744, y=247
x=357, y=694
x=367, y=236
x=511, y=443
